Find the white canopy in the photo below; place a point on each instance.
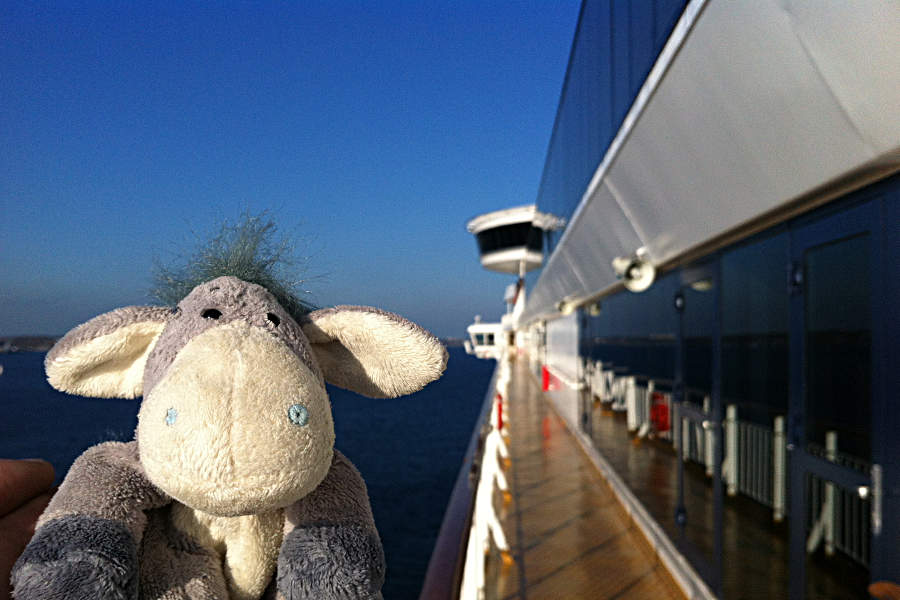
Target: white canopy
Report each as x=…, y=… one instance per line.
x=752, y=104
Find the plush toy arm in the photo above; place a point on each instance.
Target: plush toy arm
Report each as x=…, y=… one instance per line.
x=86, y=542
x=331, y=549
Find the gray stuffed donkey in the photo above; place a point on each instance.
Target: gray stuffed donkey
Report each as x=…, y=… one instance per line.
x=232, y=487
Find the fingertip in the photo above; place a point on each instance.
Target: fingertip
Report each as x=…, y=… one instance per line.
x=43, y=466
x=21, y=480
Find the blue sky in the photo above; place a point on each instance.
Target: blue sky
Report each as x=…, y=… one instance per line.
x=375, y=130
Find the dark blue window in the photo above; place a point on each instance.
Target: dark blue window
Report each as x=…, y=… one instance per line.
x=616, y=44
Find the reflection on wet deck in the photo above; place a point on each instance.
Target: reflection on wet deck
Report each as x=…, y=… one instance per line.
x=755, y=563
x=569, y=536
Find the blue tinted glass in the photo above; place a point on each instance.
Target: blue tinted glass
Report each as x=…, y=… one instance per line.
x=616, y=45
x=636, y=332
x=754, y=288
x=755, y=329
x=838, y=344
x=698, y=325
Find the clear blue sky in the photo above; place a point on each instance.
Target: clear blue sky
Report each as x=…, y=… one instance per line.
x=377, y=129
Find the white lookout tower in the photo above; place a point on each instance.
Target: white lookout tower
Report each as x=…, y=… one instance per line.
x=509, y=241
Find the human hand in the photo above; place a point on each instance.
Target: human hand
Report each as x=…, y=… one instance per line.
x=884, y=590
x=25, y=490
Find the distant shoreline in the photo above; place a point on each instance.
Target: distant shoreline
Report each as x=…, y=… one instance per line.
x=26, y=343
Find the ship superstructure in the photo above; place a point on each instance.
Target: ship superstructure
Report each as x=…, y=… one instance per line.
x=509, y=241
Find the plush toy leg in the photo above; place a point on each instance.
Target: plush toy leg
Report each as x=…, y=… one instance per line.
x=78, y=557
x=331, y=549
x=331, y=563
x=86, y=544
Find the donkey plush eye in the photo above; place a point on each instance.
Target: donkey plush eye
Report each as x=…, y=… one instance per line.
x=273, y=318
x=211, y=313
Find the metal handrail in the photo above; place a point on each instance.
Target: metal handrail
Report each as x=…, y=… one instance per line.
x=444, y=575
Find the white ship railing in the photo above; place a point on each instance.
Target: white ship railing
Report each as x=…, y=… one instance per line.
x=838, y=518
x=754, y=460
x=443, y=579
x=486, y=526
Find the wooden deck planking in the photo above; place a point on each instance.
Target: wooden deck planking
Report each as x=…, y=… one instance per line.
x=569, y=536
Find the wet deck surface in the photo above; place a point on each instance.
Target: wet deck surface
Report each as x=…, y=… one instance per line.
x=569, y=536
x=571, y=539
x=755, y=549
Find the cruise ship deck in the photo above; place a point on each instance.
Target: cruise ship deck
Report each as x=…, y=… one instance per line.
x=568, y=534
x=727, y=177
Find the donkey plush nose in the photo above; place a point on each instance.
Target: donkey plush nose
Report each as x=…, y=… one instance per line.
x=238, y=422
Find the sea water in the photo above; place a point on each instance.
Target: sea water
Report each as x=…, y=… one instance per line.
x=409, y=449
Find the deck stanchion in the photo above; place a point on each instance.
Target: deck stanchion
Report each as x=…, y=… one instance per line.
x=831, y=454
x=645, y=415
x=619, y=393
x=731, y=445
x=779, y=468
x=823, y=529
x=631, y=405
x=607, y=379
x=709, y=459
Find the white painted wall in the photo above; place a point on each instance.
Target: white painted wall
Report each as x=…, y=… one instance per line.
x=563, y=360
x=562, y=345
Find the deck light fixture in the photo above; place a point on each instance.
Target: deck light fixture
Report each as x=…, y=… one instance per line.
x=566, y=306
x=635, y=271
x=702, y=285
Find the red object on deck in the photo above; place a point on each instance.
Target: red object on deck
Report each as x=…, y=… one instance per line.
x=545, y=378
x=659, y=412
x=499, y=412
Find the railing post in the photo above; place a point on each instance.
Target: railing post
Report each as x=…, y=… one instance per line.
x=731, y=444
x=830, y=454
x=619, y=392
x=709, y=459
x=646, y=407
x=779, y=467
x=631, y=405
x=648, y=404
x=823, y=528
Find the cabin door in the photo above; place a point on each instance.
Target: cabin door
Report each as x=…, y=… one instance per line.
x=833, y=427
x=697, y=423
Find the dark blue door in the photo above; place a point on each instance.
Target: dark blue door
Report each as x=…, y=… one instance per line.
x=834, y=441
x=697, y=422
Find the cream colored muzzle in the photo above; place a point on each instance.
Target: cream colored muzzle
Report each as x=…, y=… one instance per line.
x=237, y=425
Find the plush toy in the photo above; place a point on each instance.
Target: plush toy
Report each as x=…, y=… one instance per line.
x=232, y=487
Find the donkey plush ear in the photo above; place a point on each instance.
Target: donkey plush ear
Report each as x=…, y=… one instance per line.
x=373, y=352
x=105, y=357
